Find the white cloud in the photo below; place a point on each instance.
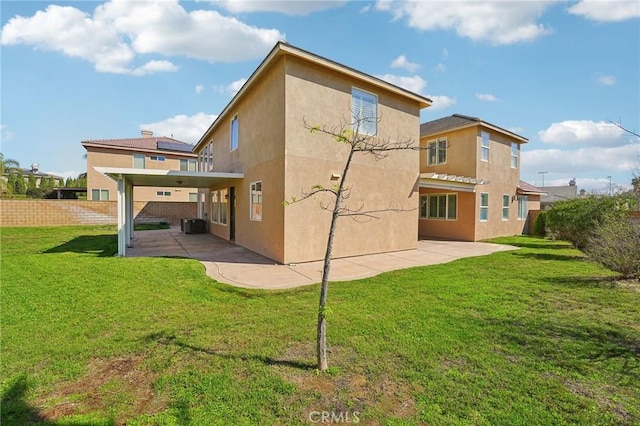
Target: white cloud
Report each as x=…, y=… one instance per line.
x=607, y=80
x=286, y=7
x=440, y=102
x=583, y=132
x=440, y=67
x=366, y=9
x=183, y=127
x=5, y=134
x=232, y=88
x=199, y=88
x=583, y=160
x=445, y=53
x=120, y=30
x=498, y=22
x=487, y=97
x=402, y=62
x=414, y=84
x=606, y=11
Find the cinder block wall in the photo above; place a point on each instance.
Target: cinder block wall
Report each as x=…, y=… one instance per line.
x=83, y=212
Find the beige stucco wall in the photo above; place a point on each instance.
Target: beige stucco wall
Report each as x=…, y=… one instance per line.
x=324, y=98
x=260, y=156
x=463, y=159
x=109, y=157
x=461, y=229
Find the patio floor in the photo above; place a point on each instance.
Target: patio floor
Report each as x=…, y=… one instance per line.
x=231, y=264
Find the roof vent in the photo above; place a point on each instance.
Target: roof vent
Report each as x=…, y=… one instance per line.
x=35, y=167
x=572, y=182
x=146, y=133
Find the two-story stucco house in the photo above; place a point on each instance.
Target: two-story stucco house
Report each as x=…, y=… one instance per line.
x=261, y=133
x=146, y=152
x=470, y=186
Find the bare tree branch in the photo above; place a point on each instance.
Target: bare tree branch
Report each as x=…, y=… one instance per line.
x=620, y=126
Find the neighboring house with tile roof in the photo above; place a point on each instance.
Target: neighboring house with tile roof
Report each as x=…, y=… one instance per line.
x=470, y=187
x=146, y=152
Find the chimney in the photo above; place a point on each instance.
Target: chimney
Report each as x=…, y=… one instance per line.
x=146, y=133
x=572, y=182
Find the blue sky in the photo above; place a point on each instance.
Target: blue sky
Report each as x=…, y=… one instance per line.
x=555, y=72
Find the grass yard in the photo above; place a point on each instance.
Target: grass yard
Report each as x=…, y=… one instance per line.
x=536, y=336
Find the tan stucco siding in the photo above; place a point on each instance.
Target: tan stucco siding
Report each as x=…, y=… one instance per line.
x=503, y=181
x=260, y=156
x=110, y=157
x=324, y=98
x=462, y=228
x=462, y=153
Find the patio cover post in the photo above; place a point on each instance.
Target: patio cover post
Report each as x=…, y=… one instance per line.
x=122, y=209
x=128, y=193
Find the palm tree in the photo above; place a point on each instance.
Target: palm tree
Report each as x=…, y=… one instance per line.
x=7, y=165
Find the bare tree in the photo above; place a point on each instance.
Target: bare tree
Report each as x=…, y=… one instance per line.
x=635, y=180
x=350, y=135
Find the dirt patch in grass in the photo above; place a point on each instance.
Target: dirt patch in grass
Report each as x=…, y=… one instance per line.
x=341, y=390
x=118, y=385
x=601, y=396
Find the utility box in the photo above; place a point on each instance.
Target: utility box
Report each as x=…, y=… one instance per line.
x=193, y=226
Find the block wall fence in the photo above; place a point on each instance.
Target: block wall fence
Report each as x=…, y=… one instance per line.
x=83, y=212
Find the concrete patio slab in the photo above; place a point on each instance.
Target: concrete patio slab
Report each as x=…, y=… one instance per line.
x=231, y=264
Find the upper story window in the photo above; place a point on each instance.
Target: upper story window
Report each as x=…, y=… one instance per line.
x=514, y=155
x=138, y=161
x=210, y=159
x=188, y=165
x=234, y=133
x=364, y=111
x=437, y=152
x=157, y=158
x=484, y=146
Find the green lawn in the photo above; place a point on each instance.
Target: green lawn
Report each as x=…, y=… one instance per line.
x=536, y=336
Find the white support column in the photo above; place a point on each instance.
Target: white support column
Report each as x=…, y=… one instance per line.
x=128, y=192
x=122, y=230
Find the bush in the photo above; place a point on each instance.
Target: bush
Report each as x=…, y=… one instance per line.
x=615, y=243
x=575, y=220
x=539, y=225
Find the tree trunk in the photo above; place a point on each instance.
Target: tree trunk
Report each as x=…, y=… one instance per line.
x=324, y=287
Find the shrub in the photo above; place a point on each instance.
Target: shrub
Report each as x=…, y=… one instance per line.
x=574, y=220
x=615, y=243
x=539, y=225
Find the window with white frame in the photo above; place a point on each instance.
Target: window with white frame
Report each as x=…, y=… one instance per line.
x=157, y=158
x=163, y=193
x=210, y=159
x=256, y=201
x=364, y=111
x=138, y=161
x=187, y=165
x=439, y=206
x=484, y=146
x=523, y=209
x=219, y=200
x=484, y=206
x=514, y=155
x=506, y=200
x=234, y=133
x=193, y=197
x=100, y=194
x=437, y=152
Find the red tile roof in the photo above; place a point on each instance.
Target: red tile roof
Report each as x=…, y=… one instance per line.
x=527, y=188
x=147, y=144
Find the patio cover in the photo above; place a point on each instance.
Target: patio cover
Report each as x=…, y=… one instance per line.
x=128, y=178
x=450, y=182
